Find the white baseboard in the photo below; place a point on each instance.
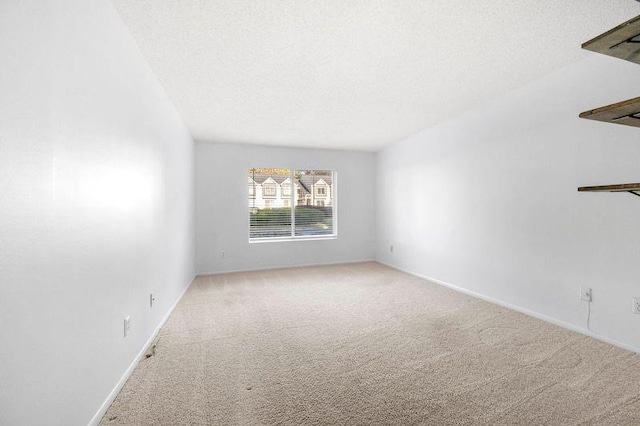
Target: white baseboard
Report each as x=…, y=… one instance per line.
x=271, y=268
x=112, y=396
x=522, y=310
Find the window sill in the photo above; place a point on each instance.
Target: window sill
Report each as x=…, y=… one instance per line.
x=277, y=240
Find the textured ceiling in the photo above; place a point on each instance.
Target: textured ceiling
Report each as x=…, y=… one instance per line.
x=357, y=74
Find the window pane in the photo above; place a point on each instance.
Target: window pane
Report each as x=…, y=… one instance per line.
x=269, y=208
x=314, y=202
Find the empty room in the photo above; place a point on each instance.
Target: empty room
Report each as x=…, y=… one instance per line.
x=384, y=212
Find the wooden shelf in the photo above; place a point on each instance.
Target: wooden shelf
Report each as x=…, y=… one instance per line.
x=621, y=42
x=625, y=112
x=624, y=187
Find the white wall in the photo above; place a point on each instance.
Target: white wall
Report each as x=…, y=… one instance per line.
x=222, y=221
x=96, y=207
x=488, y=201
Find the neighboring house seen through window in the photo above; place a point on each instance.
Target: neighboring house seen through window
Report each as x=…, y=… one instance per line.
x=291, y=204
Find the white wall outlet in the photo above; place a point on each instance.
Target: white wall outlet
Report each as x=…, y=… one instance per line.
x=585, y=294
x=222, y=254
x=152, y=299
x=635, y=307
x=127, y=325
x=391, y=249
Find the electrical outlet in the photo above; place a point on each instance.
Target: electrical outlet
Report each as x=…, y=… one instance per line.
x=222, y=254
x=151, y=300
x=127, y=325
x=391, y=249
x=585, y=294
x=635, y=307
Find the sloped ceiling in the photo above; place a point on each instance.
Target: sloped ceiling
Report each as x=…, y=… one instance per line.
x=352, y=74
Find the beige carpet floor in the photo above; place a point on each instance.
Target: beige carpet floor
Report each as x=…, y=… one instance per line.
x=366, y=344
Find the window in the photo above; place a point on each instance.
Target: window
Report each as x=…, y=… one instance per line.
x=287, y=213
x=301, y=197
x=286, y=189
x=269, y=189
x=252, y=189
